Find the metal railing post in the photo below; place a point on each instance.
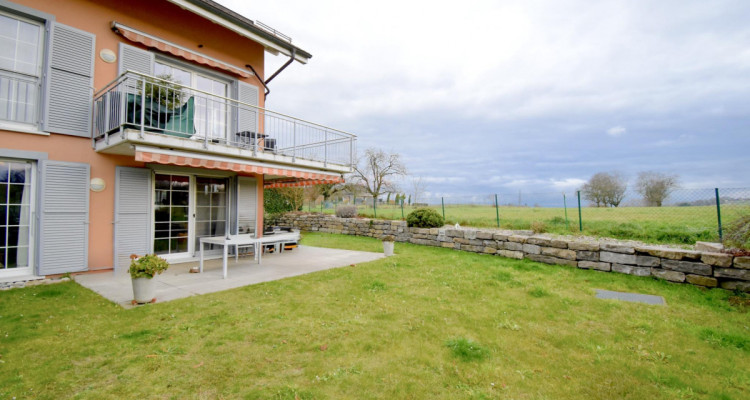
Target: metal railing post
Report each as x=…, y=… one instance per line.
x=718, y=214
x=107, y=103
x=375, y=206
x=442, y=201
x=580, y=221
x=565, y=205
x=294, y=141
x=325, y=149
x=402, y=208
x=497, y=211
x=143, y=107
x=351, y=152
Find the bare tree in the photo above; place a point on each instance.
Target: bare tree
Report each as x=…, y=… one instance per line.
x=605, y=189
x=418, y=187
x=655, y=187
x=375, y=171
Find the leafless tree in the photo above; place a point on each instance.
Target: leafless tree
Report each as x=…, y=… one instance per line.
x=418, y=187
x=605, y=189
x=655, y=187
x=375, y=171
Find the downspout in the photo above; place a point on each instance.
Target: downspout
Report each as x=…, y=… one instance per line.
x=267, y=90
x=265, y=84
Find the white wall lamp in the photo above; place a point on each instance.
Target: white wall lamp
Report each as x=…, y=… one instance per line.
x=98, y=185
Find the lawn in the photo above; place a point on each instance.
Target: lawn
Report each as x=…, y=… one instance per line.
x=427, y=323
x=677, y=225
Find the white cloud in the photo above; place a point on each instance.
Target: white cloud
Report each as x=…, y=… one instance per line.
x=616, y=131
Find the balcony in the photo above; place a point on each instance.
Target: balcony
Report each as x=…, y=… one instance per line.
x=142, y=110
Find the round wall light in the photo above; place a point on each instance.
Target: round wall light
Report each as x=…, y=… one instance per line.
x=98, y=185
x=108, y=56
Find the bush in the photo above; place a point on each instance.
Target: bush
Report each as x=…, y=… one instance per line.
x=737, y=233
x=425, y=218
x=147, y=266
x=346, y=211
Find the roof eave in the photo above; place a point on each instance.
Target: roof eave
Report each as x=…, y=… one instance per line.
x=237, y=23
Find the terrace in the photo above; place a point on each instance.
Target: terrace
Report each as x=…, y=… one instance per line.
x=137, y=110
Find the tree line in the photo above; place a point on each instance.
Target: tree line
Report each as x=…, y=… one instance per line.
x=607, y=189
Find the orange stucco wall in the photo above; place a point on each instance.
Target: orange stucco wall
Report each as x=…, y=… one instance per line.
x=157, y=18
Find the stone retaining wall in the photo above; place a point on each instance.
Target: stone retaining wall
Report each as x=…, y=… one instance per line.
x=675, y=265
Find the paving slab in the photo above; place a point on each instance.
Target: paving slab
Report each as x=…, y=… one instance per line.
x=632, y=297
x=177, y=282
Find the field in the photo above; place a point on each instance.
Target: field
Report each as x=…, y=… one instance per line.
x=678, y=225
x=428, y=323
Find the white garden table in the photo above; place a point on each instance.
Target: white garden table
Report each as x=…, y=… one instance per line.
x=246, y=240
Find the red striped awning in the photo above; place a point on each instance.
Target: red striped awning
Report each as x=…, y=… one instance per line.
x=171, y=48
x=301, y=178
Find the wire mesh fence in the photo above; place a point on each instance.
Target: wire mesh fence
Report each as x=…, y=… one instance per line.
x=683, y=216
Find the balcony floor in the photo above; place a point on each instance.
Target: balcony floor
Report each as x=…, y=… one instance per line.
x=177, y=282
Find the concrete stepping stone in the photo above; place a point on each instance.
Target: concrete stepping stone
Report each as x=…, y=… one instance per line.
x=632, y=297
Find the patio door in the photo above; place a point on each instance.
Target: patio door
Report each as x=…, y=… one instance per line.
x=186, y=208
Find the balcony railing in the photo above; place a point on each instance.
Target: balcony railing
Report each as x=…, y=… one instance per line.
x=149, y=104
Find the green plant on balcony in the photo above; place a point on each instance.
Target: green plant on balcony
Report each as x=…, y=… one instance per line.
x=164, y=90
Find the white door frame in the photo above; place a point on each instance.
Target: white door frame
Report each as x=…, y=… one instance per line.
x=29, y=269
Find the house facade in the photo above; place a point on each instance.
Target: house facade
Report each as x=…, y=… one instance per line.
x=139, y=127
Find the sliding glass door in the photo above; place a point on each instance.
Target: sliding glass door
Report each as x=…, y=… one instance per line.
x=186, y=208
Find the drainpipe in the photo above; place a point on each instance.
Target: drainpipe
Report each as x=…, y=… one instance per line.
x=265, y=84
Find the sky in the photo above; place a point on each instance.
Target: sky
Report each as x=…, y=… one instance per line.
x=536, y=96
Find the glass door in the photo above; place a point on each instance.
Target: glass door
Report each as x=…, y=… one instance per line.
x=16, y=193
x=172, y=214
x=210, y=209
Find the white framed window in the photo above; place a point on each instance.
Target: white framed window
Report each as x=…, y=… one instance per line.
x=21, y=46
x=211, y=113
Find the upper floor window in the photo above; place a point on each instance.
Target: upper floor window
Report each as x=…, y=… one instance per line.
x=20, y=68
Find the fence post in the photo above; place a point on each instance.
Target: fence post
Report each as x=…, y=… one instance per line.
x=718, y=214
x=321, y=206
x=580, y=221
x=442, y=201
x=497, y=211
x=402, y=208
x=565, y=205
x=374, y=206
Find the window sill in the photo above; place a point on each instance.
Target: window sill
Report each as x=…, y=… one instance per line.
x=9, y=126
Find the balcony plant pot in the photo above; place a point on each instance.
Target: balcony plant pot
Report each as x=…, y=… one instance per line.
x=388, y=245
x=142, y=271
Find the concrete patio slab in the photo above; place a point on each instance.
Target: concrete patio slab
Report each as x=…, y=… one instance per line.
x=632, y=297
x=177, y=282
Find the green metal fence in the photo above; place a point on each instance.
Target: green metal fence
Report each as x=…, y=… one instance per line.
x=685, y=216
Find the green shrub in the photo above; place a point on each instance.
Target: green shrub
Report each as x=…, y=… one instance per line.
x=147, y=266
x=425, y=218
x=737, y=233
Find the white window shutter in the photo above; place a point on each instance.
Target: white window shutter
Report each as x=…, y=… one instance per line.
x=135, y=59
x=247, y=204
x=69, y=82
x=132, y=215
x=247, y=118
x=64, y=217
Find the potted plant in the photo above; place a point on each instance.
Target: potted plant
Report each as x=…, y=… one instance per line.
x=142, y=271
x=388, y=245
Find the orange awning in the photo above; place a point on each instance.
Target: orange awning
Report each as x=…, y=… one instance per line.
x=300, y=177
x=171, y=48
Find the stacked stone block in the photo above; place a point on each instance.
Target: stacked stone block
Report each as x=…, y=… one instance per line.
x=701, y=268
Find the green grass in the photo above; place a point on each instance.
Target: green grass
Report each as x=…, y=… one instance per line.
x=408, y=326
x=678, y=225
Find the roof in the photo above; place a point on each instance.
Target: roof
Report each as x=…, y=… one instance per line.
x=244, y=26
